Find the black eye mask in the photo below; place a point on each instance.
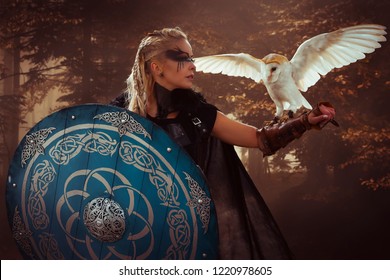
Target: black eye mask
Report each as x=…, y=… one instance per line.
x=179, y=56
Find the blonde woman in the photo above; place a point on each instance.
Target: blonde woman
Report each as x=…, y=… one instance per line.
x=160, y=89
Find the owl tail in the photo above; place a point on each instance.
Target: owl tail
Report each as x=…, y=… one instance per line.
x=296, y=104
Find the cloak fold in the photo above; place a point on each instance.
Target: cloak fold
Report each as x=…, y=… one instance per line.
x=247, y=229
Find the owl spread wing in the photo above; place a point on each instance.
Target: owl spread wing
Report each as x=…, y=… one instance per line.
x=238, y=65
x=322, y=53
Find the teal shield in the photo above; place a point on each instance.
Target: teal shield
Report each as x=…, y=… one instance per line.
x=100, y=182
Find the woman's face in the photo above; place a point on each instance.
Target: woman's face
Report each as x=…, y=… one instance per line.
x=177, y=67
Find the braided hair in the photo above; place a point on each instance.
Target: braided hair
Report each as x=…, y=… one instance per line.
x=140, y=83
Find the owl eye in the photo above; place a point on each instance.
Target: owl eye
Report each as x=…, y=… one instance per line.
x=273, y=69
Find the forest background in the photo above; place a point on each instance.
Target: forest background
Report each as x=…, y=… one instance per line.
x=329, y=191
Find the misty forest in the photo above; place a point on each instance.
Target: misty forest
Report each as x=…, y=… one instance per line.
x=329, y=191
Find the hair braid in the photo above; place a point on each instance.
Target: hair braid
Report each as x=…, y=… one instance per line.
x=140, y=83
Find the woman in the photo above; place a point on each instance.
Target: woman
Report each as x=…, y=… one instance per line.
x=159, y=88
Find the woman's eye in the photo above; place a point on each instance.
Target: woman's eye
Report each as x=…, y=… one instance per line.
x=187, y=59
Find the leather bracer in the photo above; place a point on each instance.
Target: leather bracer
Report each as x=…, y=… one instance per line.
x=272, y=138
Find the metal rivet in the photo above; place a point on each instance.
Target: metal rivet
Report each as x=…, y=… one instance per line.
x=204, y=255
x=14, y=185
x=200, y=201
x=31, y=141
x=73, y=117
x=169, y=149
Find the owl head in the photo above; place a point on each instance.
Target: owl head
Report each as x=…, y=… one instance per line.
x=274, y=65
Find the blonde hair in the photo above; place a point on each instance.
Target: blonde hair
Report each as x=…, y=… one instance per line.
x=140, y=83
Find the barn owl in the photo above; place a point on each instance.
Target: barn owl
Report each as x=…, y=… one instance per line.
x=286, y=79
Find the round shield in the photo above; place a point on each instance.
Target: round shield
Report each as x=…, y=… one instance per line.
x=100, y=182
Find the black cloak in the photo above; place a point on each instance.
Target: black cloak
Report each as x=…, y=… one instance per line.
x=246, y=227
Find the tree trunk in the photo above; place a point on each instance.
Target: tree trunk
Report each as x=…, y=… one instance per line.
x=317, y=175
x=10, y=123
x=87, y=68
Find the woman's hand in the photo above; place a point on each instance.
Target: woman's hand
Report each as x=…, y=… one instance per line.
x=321, y=115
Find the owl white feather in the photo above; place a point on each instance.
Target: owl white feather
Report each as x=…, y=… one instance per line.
x=286, y=79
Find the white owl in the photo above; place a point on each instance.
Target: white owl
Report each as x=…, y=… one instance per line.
x=285, y=79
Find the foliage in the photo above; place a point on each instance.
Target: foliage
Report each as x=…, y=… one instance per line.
x=70, y=45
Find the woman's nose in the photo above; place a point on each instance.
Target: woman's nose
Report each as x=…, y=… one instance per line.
x=192, y=66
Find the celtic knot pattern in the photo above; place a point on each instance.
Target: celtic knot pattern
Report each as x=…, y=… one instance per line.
x=200, y=201
x=124, y=122
x=43, y=175
x=34, y=144
x=105, y=219
x=141, y=159
x=137, y=156
x=49, y=247
x=70, y=146
x=180, y=235
x=21, y=234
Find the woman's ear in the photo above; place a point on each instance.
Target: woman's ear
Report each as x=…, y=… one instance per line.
x=156, y=68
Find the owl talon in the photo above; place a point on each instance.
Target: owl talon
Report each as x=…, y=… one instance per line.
x=275, y=120
x=284, y=118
